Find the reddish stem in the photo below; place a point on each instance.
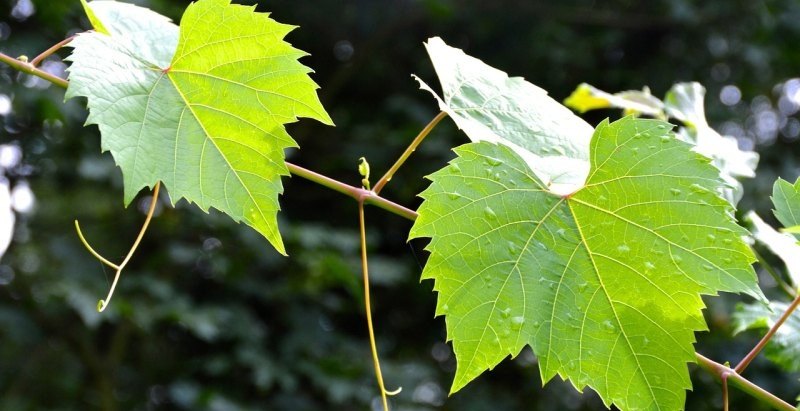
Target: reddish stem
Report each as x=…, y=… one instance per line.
x=35, y=62
x=761, y=344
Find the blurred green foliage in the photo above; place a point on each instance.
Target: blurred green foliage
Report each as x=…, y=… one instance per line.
x=209, y=317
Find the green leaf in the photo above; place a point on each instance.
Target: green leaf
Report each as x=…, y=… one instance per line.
x=783, y=245
x=783, y=348
x=489, y=106
x=605, y=283
x=587, y=97
x=201, y=109
x=786, y=198
x=93, y=19
x=152, y=35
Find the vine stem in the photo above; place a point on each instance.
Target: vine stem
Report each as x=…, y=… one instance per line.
x=29, y=68
x=760, y=346
x=370, y=197
x=103, y=304
x=410, y=149
x=368, y=309
x=724, y=379
x=47, y=53
x=358, y=194
x=743, y=384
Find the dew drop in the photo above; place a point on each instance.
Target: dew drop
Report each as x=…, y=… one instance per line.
x=678, y=259
x=675, y=191
x=602, y=199
x=658, y=252
x=454, y=195
x=652, y=147
x=512, y=247
x=558, y=150
x=505, y=313
x=635, y=151
x=707, y=267
x=728, y=260
x=497, y=176
x=649, y=266
x=609, y=326
x=665, y=138
x=727, y=241
x=489, y=213
x=517, y=322
x=711, y=238
x=541, y=245
x=697, y=188
x=661, y=127
x=496, y=341
x=582, y=286
x=493, y=161
x=536, y=324
x=623, y=248
x=512, y=182
x=445, y=309
x=571, y=366
x=562, y=233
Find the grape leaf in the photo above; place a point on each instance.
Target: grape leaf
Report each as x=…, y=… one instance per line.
x=781, y=244
x=489, y=106
x=96, y=22
x=587, y=97
x=201, y=108
x=683, y=102
x=152, y=35
x=783, y=348
x=786, y=198
x=605, y=283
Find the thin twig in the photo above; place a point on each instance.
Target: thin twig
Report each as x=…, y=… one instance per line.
x=29, y=68
x=103, y=304
x=91, y=250
x=410, y=149
x=368, y=308
x=761, y=344
x=35, y=62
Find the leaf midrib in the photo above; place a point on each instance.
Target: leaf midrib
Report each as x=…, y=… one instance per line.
x=230, y=166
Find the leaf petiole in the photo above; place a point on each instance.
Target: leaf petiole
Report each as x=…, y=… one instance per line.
x=407, y=153
x=764, y=340
x=47, y=53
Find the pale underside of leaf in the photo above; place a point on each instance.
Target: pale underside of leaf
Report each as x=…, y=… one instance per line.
x=604, y=284
x=786, y=198
x=490, y=106
x=781, y=244
x=206, y=120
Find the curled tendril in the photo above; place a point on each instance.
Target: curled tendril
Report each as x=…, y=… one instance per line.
x=103, y=304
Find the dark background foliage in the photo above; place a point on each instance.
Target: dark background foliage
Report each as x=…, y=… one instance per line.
x=209, y=317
